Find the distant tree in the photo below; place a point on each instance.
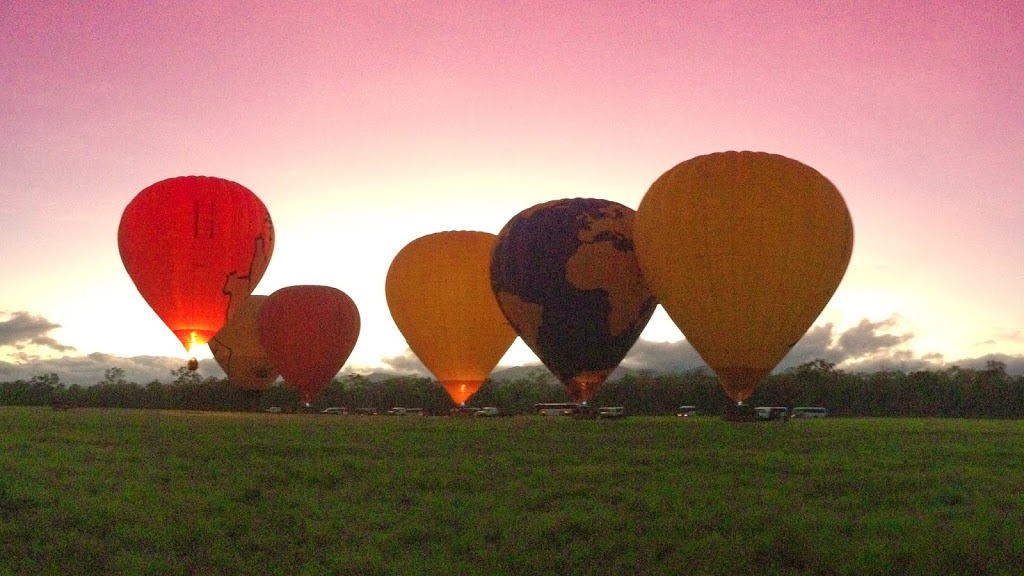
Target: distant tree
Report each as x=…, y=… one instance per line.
x=113, y=376
x=185, y=377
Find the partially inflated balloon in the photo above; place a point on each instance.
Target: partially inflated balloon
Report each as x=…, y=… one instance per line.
x=237, y=350
x=195, y=247
x=308, y=332
x=439, y=292
x=743, y=250
x=565, y=276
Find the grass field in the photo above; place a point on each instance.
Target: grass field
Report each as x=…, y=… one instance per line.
x=148, y=492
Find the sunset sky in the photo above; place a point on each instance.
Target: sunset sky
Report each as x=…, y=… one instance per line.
x=364, y=125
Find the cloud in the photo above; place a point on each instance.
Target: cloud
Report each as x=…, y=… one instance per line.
x=21, y=330
x=865, y=338
x=663, y=357
x=868, y=346
x=816, y=344
x=865, y=346
x=406, y=363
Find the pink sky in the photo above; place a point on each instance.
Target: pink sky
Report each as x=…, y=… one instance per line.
x=366, y=125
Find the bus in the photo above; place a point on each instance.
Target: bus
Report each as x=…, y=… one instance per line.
x=809, y=412
x=556, y=408
x=400, y=411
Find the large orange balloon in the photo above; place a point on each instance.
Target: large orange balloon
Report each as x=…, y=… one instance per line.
x=308, y=332
x=438, y=289
x=743, y=250
x=195, y=247
x=565, y=276
x=237, y=350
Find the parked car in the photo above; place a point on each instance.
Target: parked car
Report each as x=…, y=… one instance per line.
x=335, y=410
x=809, y=412
x=686, y=411
x=611, y=412
x=273, y=409
x=464, y=411
x=584, y=412
x=487, y=411
x=772, y=412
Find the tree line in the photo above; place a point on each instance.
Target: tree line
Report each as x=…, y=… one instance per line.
x=988, y=392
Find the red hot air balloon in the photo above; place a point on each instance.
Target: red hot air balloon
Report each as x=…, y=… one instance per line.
x=308, y=332
x=195, y=247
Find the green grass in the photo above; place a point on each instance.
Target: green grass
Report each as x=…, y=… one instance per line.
x=147, y=492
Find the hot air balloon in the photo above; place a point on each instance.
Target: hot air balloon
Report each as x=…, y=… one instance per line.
x=196, y=247
x=237, y=350
x=308, y=332
x=566, y=278
x=438, y=289
x=743, y=250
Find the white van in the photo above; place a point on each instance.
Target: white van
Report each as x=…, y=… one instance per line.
x=809, y=412
x=771, y=412
x=400, y=411
x=686, y=411
x=611, y=412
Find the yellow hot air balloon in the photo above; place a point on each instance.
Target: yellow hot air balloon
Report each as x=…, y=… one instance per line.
x=743, y=250
x=236, y=348
x=438, y=289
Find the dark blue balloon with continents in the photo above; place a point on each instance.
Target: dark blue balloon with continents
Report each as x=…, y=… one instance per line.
x=565, y=276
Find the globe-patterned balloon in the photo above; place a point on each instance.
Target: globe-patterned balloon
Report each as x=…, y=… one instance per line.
x=565, y=276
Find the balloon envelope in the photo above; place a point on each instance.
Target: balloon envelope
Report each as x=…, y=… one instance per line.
x=565, y=276
x=438, y=289
x=743, y=250
x=237, y=350
x=308, y=332
x=195, y=246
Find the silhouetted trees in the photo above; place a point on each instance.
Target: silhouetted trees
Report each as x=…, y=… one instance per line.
x=952, y=392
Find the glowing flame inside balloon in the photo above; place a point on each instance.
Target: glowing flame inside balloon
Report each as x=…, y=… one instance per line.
x=438, y=290
x=195, y=247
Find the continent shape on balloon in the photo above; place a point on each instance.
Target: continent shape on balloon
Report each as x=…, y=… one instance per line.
x=236, y=348
x=565, y=275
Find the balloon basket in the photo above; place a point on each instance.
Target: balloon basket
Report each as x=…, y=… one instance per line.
x=739, y=412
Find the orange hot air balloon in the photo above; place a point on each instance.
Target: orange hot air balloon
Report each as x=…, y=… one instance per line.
x=743, y=250
x=236, y=348
x=438, y=289
x=308, y=332
x=565, y=276
x=196, y=247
